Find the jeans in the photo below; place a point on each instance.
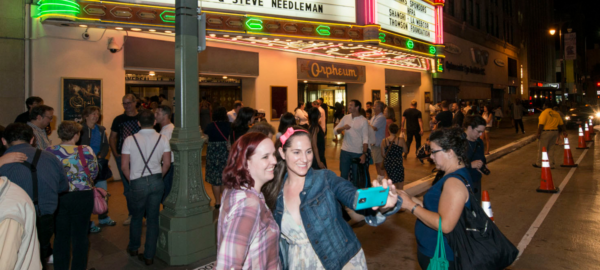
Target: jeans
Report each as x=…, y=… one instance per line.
x=346, y=163
x=409, y=139
x=519, y=122
x=72, y=226
x=45, y=231
x=146, y=194
x=126, y=188
x=168, y=181
x=547, y=139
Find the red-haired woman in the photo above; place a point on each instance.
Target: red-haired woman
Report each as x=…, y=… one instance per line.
x=248, y=236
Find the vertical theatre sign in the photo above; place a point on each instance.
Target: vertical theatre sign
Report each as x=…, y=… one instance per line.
x=570, y=46
x=414, y=18
x=330, y=71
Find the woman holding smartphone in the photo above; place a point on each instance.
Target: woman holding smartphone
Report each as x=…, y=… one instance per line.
x=247, y=233
x=314, y=234
x=446, y=198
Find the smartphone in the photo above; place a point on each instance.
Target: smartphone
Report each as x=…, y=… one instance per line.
x=370, y=197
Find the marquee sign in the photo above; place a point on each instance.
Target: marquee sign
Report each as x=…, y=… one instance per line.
x=413, y=18
x=330, y=71
x=330, y=10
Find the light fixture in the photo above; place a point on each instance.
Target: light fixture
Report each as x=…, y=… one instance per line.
x=305, y=81
x=168, y=32
x=136, y=29
x=252, y=37
x=233, y=38
x=270, y=44
x=151, y=73
x=224, y=77
x=212, y=35
x=119, y=28
x=83, y=25
x=225, y=35
x=276, y=39
x=152, y=30
x=264, y=38
x=552, y=31
x=403, y=85
x=239, y=37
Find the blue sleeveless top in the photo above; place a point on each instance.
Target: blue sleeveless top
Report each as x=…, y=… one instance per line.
x=427, y=237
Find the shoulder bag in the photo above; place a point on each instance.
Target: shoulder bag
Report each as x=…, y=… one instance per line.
x=226, y=139
x=439, y=261
x=477, y=242
x=100, y=203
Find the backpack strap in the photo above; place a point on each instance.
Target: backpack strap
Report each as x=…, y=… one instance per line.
x=142, y=154
x=34, y=179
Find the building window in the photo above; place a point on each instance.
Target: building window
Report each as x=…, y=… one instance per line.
x=449, y=7
x=471, y=22
x=477, y=16
x=512, y=67
x=464, y=10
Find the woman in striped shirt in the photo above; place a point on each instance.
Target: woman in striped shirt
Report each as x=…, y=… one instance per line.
x=248, y=236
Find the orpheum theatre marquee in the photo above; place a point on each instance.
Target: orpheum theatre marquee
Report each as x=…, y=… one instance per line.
x=401, y=33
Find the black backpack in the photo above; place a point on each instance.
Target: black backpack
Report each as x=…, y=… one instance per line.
x=476, y=240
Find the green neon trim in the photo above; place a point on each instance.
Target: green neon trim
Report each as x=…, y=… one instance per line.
x=167, y=18
x=382, y=37
x=254, y=24
x=410, y=44
x=323, y=30
x=440, y=67
x=58, y=7
x=432, y=50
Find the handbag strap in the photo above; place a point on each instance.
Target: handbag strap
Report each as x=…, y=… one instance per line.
x=34, y=179
x=440, y=249
x=83, y=161
x=217, y=126
x=142, y=154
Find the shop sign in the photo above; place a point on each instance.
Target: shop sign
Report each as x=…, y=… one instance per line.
x=413, y=18
x=452, y=48
x=480, y=57
x=330, y=71
x=499, y=62
x=330, y=10
x=464, y=68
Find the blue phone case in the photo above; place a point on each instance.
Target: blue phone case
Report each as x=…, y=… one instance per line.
x=370, y=197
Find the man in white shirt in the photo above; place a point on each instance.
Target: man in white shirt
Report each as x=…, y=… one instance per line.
x=356, y=137
x=377, y=123
x=163, y=118
x=141, y=159
x=232, y=115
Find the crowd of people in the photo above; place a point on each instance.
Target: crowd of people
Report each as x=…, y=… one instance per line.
x=278, y=200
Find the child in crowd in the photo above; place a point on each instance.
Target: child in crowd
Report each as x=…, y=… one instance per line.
x=498, y=115
x=393, y=147
x=425, y=152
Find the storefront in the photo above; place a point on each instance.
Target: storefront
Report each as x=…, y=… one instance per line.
x=477, y=74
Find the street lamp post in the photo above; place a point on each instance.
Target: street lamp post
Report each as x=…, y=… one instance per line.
x=187, y=231
x=562, y=53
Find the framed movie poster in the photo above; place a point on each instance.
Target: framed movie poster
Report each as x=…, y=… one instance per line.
x=278, y=101
x=78, y=93
x=376, y=95
x=428, y=98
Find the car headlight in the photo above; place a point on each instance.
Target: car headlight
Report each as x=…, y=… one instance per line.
x=598, y=114
x=567, y=118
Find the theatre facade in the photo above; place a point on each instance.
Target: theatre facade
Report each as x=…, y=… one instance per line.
x=271, y=54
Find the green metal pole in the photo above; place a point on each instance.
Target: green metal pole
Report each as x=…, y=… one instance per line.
x=187, y=231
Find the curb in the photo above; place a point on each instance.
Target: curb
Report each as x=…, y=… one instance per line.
x=422, y=185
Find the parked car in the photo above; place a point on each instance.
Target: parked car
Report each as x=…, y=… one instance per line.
x=576, y=116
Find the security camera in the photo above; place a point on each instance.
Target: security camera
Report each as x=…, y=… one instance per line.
x=112, y=46
x=85, y=35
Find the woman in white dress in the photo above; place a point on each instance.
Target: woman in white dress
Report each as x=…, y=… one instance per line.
x=301, y=115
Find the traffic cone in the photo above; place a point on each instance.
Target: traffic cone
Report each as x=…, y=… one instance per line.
x=546, y=184
x=568, y=157
x=581, y=140
x=591, y=126
x=587, y=133
x=487, y=205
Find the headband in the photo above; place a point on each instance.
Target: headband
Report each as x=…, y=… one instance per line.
x=290, y=131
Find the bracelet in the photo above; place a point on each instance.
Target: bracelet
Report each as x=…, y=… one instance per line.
x=412, y=211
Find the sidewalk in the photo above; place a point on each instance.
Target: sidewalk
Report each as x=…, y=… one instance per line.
x=107, y=251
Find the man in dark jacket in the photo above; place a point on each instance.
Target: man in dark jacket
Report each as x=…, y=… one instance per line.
x=474, y=127
x=458, y=116
x=30, y=103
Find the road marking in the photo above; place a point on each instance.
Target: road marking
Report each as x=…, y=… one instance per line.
x=540, y=218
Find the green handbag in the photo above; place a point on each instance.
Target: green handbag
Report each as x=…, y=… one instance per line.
x=439, y=262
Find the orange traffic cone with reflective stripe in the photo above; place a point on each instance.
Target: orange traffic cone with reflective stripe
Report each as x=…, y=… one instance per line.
x=568, y=157
x=546, y=184
x=487, y=205
x=581, y=140
x=587, y=133
x=591, y=126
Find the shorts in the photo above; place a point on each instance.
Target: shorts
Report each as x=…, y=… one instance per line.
x=498, y=118
x=376, y=154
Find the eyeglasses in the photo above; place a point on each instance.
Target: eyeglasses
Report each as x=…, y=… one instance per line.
x=433, y=152
x=127, y=103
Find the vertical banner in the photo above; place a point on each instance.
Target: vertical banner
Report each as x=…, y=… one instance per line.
x=570, y=46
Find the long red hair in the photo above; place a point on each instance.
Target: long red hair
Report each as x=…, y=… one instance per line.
x=236, y=174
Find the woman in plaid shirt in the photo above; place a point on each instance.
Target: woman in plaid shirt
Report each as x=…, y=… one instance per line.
x=248, y=236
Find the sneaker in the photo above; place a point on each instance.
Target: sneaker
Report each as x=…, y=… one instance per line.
x=95, y=229
x=51, y=259
x=107, y=222
x=535, y=165
x=127, y=221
